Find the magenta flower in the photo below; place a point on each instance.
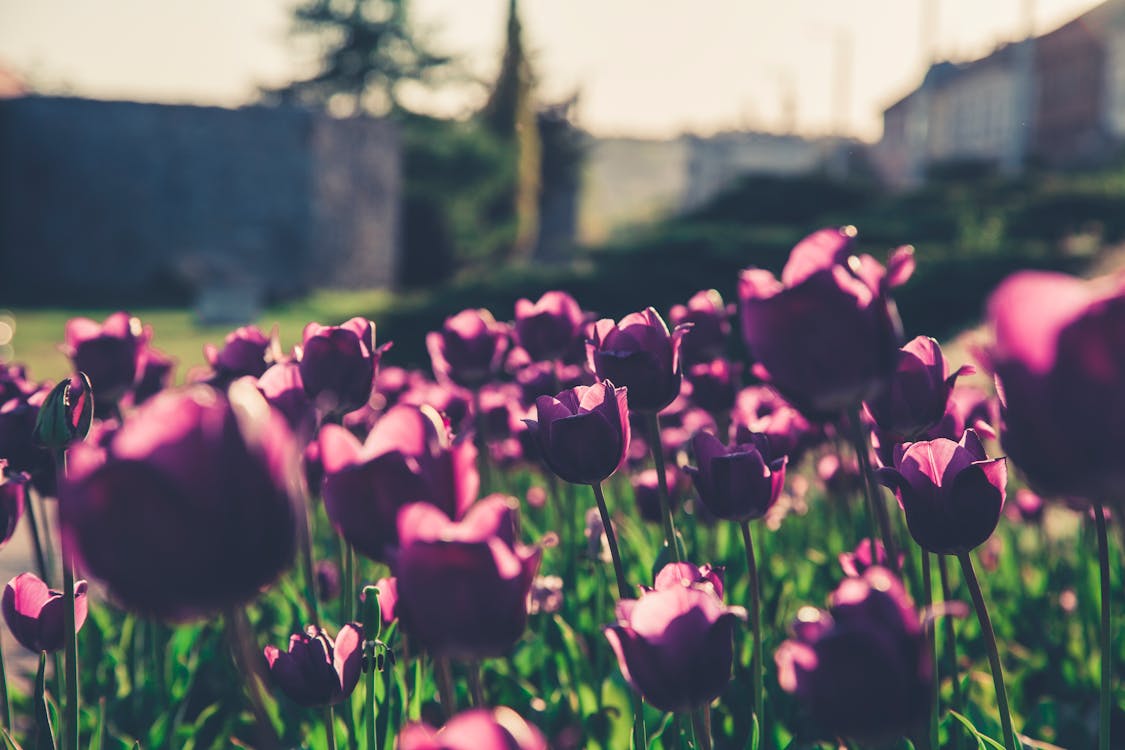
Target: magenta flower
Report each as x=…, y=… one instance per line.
x=35, y=614
x=477, y=729
x=317, y=670
x=952, y=493
x=407, y=458
x=709, y=318
x=463, y=586
x=283, y=388
x=13, y=496
x=856, y=562
x=338, y=364
x=736, y=483
x=916, y=397
x=583, y=433
x=469, y=348
x=703, y=577
x=109, y=353
x=1059, y=360
x=246, y=351
x=639, y=354
x=674, y=644
x=548, y=329
x=827, y=335
x=189, y=508
x=861, y=670
x=759, y=409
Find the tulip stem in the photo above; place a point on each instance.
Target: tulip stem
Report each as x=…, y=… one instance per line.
x=701, y=724
x=875, y=504
x=446, y=692
x=950, y=636
x=369, y=707
x=44, y=734
x=623, y=591
x=476, y=687
x=640, y=737
x=246, y=662
x=351, y=585
x=305, y=531
x=330, y=727
x=1010, y=741
x=70, y=722
x=655, y=446
x=5, y=706
x=928, y=602
x=755, y=621
x=1104, y=705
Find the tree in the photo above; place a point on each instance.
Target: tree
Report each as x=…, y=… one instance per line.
x=369, y=51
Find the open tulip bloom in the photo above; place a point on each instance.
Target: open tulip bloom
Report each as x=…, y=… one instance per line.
x=34, y=613
x=318, y=670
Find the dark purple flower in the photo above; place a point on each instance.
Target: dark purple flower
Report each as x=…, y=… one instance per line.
x=283, y=388
x=674, y=644
x=407, y=458
x=639, y=354
x=18, y=445
x=469, y=348
x=246, y=351
x=952, y=493
x=317, y=670
x=109, y=353
x=13, y=496
x=36, y=614
x=827, y=335
x=709, y=318
x=338, y=364
x=327, y=580
x=646, y=493
x=155, y=375
x=861, y=670
x=840, y=475
x=915, y=399
x=463, y=586
x=1028, y=507
x=856, y=562
x=189, y=509
x=759, y=409
x=477, y=729
x=1059, y=360
x=739, y=483
x=713, y=385
x=548, y=328
x=583, y=433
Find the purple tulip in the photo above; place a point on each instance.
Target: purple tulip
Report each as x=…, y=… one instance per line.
x=583, y=433
x=713, y=385
x=1059, y=360
x=477, y=729
x=639, y=354
x=952, y=493
x=13, y=496
x=673, y=645
x=155, y=374
x=407, y=458
x=18, y=445
x=283, y=388
x=1028, y=507
x=338, y=364
x=548, y=328
x=469, y=348
x=687, y=574
x=109, y=353
x=709, y=318
x=759, y=409
x=862, y=669
x=739, y=483
x=827, y=335
x=246, y=351
x=317, y=670
x=463, y=586
x=327, y=580
x=35, y=614
x=646, y=492
x=840, y=474
x=190, y=508
x=915, y=399
x=856, y=562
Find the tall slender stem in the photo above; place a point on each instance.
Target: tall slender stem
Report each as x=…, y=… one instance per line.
x=71, y=729
x=701, y=723
x=243, y=649
x=307, y=560
x=1010, y=741
x=351, y=585
x=369, y=708
x=640, y=736
x=445, y=685
x=755, y=622
x=1104, y=705
x=5, y=707
x=874, y=502
x=44, y=733
x=622, y=586
x=481, y=439
x=928, y=601
x=330, y=727
x=476, y=687
x=950, y=637
x=655, y=446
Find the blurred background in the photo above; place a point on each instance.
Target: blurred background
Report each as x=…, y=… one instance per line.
x=206, y=163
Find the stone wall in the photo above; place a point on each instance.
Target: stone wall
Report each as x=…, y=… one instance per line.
x=120, y=203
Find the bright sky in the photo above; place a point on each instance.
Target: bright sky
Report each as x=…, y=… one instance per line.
x=643, y=67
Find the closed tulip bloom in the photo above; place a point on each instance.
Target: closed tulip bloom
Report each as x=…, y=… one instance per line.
x=109, y=353
x=18, y=445
x=713, y=385
x=338, y=364
x=861, y=670
x=759, y=409
x=638, y=353
x=548, y=328
x=583, y=433
x=283, y=388
x=739, y=483
x=13, y=495
x=189, y=508
x=646, y=492
x=952, y=493
x=709, y=317
x=1059, y=360
x=916, y=397
x=317, y=670
x=155, y=374
x=469, y=348
x=35, y=614
x=246, y=351
x=407, y=458
x=856, y=562
x=463, y=586
x=827, y=335
x=477, y=729
x=674, y=645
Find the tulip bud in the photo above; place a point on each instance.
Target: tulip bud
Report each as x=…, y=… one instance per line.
x=709, y=319
x=548, y=328
x=338, y=364
x=917, y=394
x=66, y=414
x=35, y=614
x=468, y=349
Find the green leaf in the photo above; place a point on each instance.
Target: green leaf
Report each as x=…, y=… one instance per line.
x=755, y=738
